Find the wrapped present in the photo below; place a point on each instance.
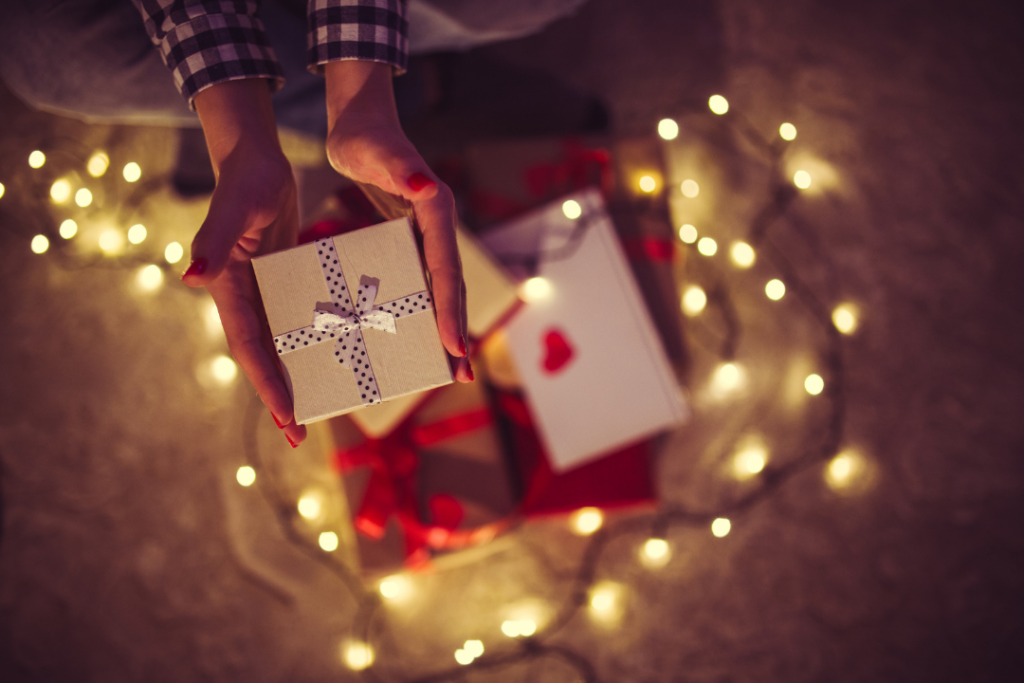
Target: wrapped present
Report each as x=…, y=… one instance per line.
x=592, y=367
x=437, y=483
x=352, y=320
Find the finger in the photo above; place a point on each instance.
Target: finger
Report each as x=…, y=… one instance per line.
x=295, y=434
x=464, y=371
x=436, y=219
x=226, y=222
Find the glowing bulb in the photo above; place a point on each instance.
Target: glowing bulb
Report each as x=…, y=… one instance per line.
x=750, y=459
x=647, y=184
x=83, y=198
x=690, y=188
x=310, y=505
x=727, y=379
x=802, y=179
x=527, y=627
x=721, y=527
x=742, y=254
x=536, y=289
x=602, y=602
x=844, y=317
x=572, y=209
x=132, y=172
x=40, y=244
x=474, y=648
x=329, y=541
x=98, y=164
x=245, y=475
x=656, y=548
x=707, y=246
x=2, y=189
x=357, y=655
x=68, y=229
x=586, y=521
x=463, y=657
x=814, y=384
x=718, y=104
x=111, y=241
x=173, y=252
x=775, y=289
x=223, y=369
x=604, y=599
x=688, y=233
x=36, y=159
x=149, y=278
x=694, y=300
x=668, y=129
x=511, y=628
x=137, y=233
x=787, y=131
x=60, y=191
x=847, y=472
x=395, y=587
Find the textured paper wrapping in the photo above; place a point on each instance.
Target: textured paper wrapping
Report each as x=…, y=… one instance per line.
x=293, y=286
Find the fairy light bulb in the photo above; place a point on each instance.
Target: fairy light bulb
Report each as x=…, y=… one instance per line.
x=357, y=655
x=689, y=188
x=848, y=472
x=707, y=246
x=223, y=369
x=395, y=587
x=694, y=300
x=149, y=278
x=60, y=191
x=474, y=648
x=845, y=318
x=572, y=209
x=742, y=254
x=688, y=233
x=2, y=190
x=173, y=252
x=787, y=131
x=68, y=229
x=131, y=172
x=606, y=602
x=310, y=505
x=83, y=197
x=245, y=475
x=802, y=179
x=727, y=379
x=750, y=458
x=97, y=164
x=36, y=159
x=647, y=184
x=111, y=241
x=655, y=553
x=775, y=289
x=536, y=289
x=328, y=541
x=463, y=657
x=718, y=104
x=40, y=244
x=721, y=527
x=814, y=384
x=668, y=129
x=137, y=233
x=586, y=521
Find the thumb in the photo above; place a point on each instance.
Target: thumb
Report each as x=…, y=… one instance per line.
x=227, y=220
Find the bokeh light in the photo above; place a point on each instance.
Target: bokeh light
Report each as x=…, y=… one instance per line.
x=395, y=587
x=60, y=191
x=718, y=104
x=647, y=183
x=98, y=164
x=245, y=475
x=68, y=229
x=727, y=379
x=83, y=197
x=149, y=278
x=694, y=300
x=173, y=252
x=132, y=172
x=40, y=244
x=787, y=131
x=357, y=655
x=846, y=318
x=668, y=129
x=111, y=241
x=310, y=505
x=137, y=233
x=688, y=233
x=775, y=289
x=849, y=472
x=474, y=648
x=742, y=254
x=2, y=190
x=586, y=521
x=721, y=527
x=572, y=209
x=36, y=159
x=814, y=384
x=750, y=458
x=655, y=553
x=689, y=188
x=536, y=289
x=463, y=657
x=328, y=541
x=802, y=179
x=223, y=369
x=707, y=246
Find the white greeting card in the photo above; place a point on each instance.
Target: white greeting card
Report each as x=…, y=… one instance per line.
x=589, y=357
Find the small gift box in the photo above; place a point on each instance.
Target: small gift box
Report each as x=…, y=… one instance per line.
x=352, y=320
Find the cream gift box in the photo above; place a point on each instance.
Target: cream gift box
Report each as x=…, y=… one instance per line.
x=338, y=356
x=584, y=346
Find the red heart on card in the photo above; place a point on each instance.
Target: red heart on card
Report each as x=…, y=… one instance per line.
x=558, y=352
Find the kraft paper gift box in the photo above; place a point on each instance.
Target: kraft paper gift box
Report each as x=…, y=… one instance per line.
x=590, y=360
x=353, y=320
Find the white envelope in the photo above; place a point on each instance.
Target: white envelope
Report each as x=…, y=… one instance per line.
x=592, y=366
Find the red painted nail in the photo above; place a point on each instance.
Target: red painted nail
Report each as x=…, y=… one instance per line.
x=462, y=345
x=277, y=422
x=197, y=267
x=469, y=371
x=417, y=181
x=294, y=445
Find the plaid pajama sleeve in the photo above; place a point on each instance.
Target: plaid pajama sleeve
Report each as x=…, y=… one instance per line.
x=204, y=42
x=371, y=30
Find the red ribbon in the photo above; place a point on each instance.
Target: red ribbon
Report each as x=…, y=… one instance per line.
x=656, y=249
x=580, y=168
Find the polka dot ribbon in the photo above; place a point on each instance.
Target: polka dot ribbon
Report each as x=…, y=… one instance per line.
x=345, y=324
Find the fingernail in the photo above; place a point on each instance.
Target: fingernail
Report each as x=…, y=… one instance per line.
x=277, y=422
x=469, y=371
x=197, y=267
x=294, y=445
x=417, y=181
x=462, y=345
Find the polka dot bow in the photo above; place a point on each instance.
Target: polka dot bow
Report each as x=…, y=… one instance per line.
x=345, y=323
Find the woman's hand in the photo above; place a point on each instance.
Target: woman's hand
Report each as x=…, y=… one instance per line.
x=366, y=143
x=253, y=211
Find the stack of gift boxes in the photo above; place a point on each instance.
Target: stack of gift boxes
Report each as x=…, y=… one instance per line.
x=575, y=336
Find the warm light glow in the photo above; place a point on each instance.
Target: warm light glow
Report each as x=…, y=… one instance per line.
x=846, y=318
x=606, y=601
x=357, y=655
x=511, y=628
x=514, y=628
x=572, y=209
x=223, y=369
x=2, y=189
x=310, y=505
x=647, y=184
x=111, y=241
x=694, y=300
x=814, y=384
x=137, y=233
x=83, y=198
x=98, y=164
x=36, y=159
x=721, y=527
x=474, y=648
x=707, y=246
x=536, y=289
x=68, y=229
x=775, y=289
x=718, y=104
x=527, y=627
x=329, y=541
x=40, y=244
x=690, y=188
x=463, y=657
x=173, y=252
x=787, y=131
x=668, y=129
x=60, y=191
x=688, y=233
x=848, y=472
x=149, y=278
x=802, y=179
x=586, y=521
x=727, y=379
x=742, y=254
x=245, y=475
x=132, y=172
x=655, y=553
x=211, y=317
x=750, y=459
x=395, y=587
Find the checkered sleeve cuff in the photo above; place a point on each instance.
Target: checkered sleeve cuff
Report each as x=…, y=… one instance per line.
x=205, y=42
x=371, y=30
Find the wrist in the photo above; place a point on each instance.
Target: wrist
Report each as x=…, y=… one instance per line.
x=238, y=119
x=360, y=91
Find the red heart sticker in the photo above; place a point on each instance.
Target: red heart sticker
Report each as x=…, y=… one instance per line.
x=558, y=352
